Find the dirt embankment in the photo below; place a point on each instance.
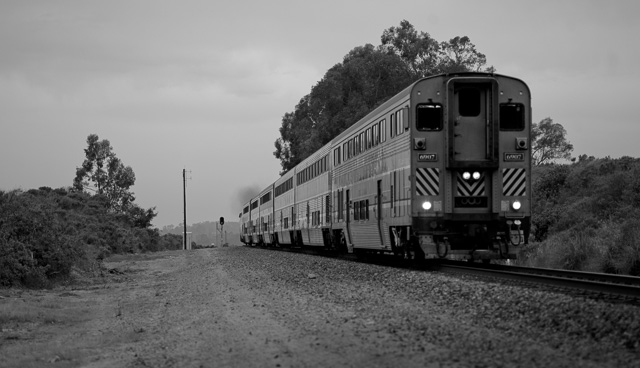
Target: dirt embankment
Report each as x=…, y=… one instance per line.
x=241, y=307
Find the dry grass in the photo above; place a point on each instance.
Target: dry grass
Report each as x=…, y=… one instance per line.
x=29, y=310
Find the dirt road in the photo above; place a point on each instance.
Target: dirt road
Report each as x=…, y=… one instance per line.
x=240, y=307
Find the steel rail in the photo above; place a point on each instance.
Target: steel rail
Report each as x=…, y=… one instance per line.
x=619, y=285
x=627, y=286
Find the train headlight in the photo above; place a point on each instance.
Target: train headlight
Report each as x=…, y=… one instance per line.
x=476, y=175
x=466, y=175
x=516, y=205
x=426, y=205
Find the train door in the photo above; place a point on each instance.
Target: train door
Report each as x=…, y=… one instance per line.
x=473, y=149
x=379, y=211
x=308, y=232
x=348, y=217
x=470, y=126
x=293, y=227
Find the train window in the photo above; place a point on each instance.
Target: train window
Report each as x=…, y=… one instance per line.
x=366, y=206
x=383, y=130
x=391, y=124
x=375, y=135
x=399, y=123
x=511, y=116
x=368, y=135
x=364, y=210
x=356, y=210
x=363, y=144
x=469, y=102
x=429, y=117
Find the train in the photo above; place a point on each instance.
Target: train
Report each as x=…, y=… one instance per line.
x=442, y=170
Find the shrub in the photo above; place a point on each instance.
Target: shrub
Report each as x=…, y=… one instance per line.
x=45, y=233
x=623, y=256
x=586, y=216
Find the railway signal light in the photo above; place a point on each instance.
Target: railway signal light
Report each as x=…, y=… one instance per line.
x=221, y=220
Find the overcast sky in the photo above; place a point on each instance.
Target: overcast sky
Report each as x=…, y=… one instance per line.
x=203, y=84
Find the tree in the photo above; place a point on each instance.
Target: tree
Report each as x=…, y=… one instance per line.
x=549, y=142
x=348, y=91
x=418, y=50
x=366, y=77
x=425, y=56
x=104, y=174
x=460, y=55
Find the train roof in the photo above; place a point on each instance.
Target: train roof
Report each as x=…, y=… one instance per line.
x=406, y=92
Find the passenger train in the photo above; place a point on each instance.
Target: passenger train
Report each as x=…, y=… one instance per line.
x=440, y=170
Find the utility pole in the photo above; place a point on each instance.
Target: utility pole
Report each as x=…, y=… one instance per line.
x=184, y=190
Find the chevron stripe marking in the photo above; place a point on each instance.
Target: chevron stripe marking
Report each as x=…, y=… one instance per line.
x=470, y=188
x=514, y=182
x=428, y=181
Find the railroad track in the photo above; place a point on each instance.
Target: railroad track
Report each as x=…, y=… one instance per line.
x=619, y=285
x=627, y=287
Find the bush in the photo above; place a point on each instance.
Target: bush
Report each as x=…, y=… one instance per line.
x=17, y=263
x=586, y=216
x=46, y=233
x=623, y=257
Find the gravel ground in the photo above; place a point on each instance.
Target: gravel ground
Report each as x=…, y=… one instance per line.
x=248, y=307
x=412, y=318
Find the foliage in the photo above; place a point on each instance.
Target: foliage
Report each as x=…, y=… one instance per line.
x=549, y=142
x=366, y=77
x=586, y=216
x=105, y=175
x=46, y=233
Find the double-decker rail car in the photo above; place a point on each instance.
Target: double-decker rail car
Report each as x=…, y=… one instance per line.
x=254, y=221
x=264, y=219
x=245, y=236
x=313, y=199
x=284, y=210
x=440, y=170
x=471, y=165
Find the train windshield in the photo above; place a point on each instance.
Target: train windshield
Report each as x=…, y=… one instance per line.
x=429, y=117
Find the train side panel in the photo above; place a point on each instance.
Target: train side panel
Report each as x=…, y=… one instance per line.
x=284, y=201
x=371, y=178
x=313, y=199
x=244, y=224
x=265, y=220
